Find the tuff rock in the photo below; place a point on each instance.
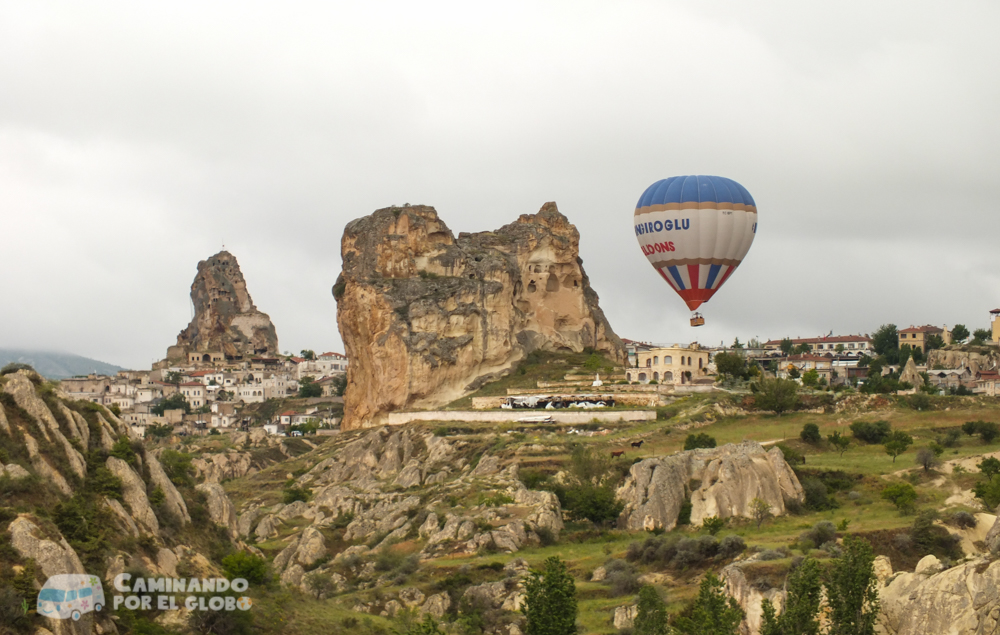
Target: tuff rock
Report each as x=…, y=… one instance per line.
x=727, y=479
x=426, y=318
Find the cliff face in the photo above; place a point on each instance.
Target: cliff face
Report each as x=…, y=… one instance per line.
x=426, y=318
x=225, y=319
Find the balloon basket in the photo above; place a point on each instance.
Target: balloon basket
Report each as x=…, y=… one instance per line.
x=697, y=320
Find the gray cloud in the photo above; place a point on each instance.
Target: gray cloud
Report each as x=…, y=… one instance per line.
x=136, y=139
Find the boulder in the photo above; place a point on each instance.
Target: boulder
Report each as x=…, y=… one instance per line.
x=750, y=596
x=4, y=424
x=429, y=527
x=266, y=528
x=720, y=482
x=220, y=508
x=436, y=605
x=928, y=565
x=14, y=471
x=962, y=599
x=426, y=318
x=172, y=498
x=625, y=616
x=123, y=517
x=215, y=468
x=411, y=597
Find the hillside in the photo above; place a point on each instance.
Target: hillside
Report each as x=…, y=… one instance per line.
x=55, y=365
x=365, y=531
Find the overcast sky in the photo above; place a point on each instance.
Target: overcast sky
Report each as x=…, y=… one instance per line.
x=136, y=138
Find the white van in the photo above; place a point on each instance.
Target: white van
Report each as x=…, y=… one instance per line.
x=70, y=595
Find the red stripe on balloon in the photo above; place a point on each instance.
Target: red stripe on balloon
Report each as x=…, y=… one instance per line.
x=694, y=272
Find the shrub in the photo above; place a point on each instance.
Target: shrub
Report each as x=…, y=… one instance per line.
x=621, y=578
x=902, y=495
x=963, y=520
x=919, y=401
x=594, y=503
x=251, y=568
x=731, y=546
x=122, y=449
x=810, y=434
x=713, y=524
x=926, y=458
x=700, y=440
x=820, y=534
x=871, y=431
x=293, y=494
x=792, y=456
x=817, y=494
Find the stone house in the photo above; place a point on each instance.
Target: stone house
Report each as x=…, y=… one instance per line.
x=194, y=392
x=674, y=364
x=987, y=383
x=916, y=336
x=853, y=344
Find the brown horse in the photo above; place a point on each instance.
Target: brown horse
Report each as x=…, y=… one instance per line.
x=617, y=453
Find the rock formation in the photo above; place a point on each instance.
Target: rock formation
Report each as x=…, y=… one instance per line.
x=720, y=482
x=426, y=318
x=226, y=324
x=954, y=357
x=911, y=375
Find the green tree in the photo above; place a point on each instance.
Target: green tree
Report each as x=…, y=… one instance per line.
x=838, y=441
x=852, y=591
x=176, y=401
x=810, y=433
x=983, y=335
x=122, y=449
x=896, y=443
x=787, y=346
x=173, y=377
x=839, y=348
x=308, y=354
x=801, y=605
x=713, y=612
x=959, y=333
x=737, y=343
x=652, y=616
x=988, y=431
x=802, y=349
x=550, y=600
x=810, y=378
x=309, y=388
x=900, y=494
x=760, y=510
x=927, y=458
x=990, y=467
x=934, y=341
x=713, y=524
x=777, y=395
x=699, y=440
x=885, y=340
x=251, y=568
x=730, y=364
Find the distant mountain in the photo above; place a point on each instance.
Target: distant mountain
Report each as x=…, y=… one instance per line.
x=56, y=365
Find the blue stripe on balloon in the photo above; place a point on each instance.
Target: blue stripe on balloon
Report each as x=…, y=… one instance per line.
x=696, y=189
x=677, y=276
x=713, y=271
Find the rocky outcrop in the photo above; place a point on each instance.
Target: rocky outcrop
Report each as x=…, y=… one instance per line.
x=911, y=375
x=225, y=322
x=719, y=482
x=931, y=601
x=20, y=387
x=750, y=596
x=134, y=493
x=42, y=467
x=172, y=498
x=220, y=508
x=52, y=556
x=4, y=424
x=426, y=318
x=215, y=468
x=13, y=471
x=955, y=357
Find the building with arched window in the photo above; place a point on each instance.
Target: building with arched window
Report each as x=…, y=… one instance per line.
x=669, y=364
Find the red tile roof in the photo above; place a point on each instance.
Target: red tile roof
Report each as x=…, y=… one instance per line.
x=922, y=329
x=833, y=339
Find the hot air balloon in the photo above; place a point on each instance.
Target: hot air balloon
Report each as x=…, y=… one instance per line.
x=695, y=231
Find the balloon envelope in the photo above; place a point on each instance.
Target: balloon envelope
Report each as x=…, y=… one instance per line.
x=695, y=231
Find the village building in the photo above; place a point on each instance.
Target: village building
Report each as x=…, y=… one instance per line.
x=987, y=383
x=829, y=344
x=916, y=336
x=674, y=364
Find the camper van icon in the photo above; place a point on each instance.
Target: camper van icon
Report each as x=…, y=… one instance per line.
x=70, y=595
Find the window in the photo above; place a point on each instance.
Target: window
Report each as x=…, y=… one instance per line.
x=850, y=346
x=656, y=360
x=902, y=336
x=649, y=362
x=668, y=376
x=668, y=359
x=656, y=376
x=642, y=376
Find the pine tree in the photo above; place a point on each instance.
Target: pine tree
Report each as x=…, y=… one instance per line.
x=801, y=606
x=652, y=617
x=550, y=600
x=851, y=590
x=713, y=613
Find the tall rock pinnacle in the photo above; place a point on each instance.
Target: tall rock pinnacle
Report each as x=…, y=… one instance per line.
x=226, y=324
x=427, y=318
